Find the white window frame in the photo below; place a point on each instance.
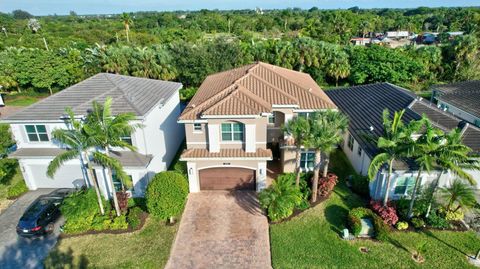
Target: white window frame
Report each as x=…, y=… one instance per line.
x=36, y=133
x=359, y=151
x=305, y=166
x=199, y=125
x=232, y=132
x=410, y=182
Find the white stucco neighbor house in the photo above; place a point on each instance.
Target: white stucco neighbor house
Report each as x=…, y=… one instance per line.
x=155, y=103
x=364, y=106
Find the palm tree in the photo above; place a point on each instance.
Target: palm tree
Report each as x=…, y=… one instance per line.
x=326, y=128
x=459, y=194
x=298, y=128
x=339, y=66
x=393, y=145
x=127, y=21
x=454, y=157
x=338, y=123
x=78, y=143
x=424, y=151
x=107, y=131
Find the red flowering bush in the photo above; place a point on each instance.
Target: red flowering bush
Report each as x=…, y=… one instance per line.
x=387, y=213
x=326, y=184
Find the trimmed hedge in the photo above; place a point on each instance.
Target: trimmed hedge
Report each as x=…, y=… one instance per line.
x=166, y=194
x=355, y=215
x=360, y=185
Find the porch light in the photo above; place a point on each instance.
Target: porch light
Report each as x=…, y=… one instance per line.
x=260, y=171
x=190, y=171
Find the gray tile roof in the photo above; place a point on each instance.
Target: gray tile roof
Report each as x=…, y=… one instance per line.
x=129, y=94
x=126, y=158
x=464, y=95
x=364, y=106
x=36, y=152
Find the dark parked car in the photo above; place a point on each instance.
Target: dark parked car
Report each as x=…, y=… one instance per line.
x=40, y=216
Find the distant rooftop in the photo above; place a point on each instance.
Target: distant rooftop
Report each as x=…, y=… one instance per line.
x=364, y=106
x=129, y=94
x=464, y=95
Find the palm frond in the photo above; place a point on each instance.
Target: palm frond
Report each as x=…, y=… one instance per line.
x=60, y=159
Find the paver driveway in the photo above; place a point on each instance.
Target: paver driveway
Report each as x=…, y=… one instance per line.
x=221, y=230
x=17, y=252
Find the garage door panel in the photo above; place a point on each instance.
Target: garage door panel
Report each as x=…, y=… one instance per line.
x=68, y=176
x=227, y=179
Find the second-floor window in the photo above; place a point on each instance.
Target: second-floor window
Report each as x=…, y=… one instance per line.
x=232, y=131
x=36, y=133
x=197, y=127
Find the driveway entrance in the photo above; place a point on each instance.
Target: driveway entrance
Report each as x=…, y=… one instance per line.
x=221, y=229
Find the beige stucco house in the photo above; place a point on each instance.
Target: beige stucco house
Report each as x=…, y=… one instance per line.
x=233, y=125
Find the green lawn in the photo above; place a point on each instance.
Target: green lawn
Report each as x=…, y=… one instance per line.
x=147, y=248
x=311, y=240
x=21, y=100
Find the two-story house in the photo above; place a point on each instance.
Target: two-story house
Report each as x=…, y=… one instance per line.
x=364, y=106
x=155, y=104
x=233, y=125
x=460, y=99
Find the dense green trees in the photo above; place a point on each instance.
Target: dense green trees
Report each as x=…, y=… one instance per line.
x=188, y=46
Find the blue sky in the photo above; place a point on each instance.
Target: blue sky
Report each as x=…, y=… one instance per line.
x=45, y=7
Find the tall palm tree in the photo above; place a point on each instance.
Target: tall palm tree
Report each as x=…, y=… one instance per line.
x=127, y=21
x=79, y=144
x=107, y=131
x=338, y=124
x=325, y=132
x=454, y=157
x=298, y=128
x=424, y=150
x=393, y=145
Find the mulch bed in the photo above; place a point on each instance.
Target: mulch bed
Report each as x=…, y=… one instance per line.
x=297, y=212
x=143, y=219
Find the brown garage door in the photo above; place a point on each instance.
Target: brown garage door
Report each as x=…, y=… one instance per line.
x=227, y=179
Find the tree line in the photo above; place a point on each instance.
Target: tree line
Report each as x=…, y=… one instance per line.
x=148, y=28
x=41, y=70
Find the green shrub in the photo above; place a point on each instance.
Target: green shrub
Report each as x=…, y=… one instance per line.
x=138, y=202
x=8, y=168
x=119, y=223
x=17, y=189
x=418, y=223
x=402, y=225
x=134, y=217
x=281, y=198
x=454, y=215
x=436, y=220
x=180, y=167
x=360, y=185
x=166, y=194
x=82, y=214
x=355, y=215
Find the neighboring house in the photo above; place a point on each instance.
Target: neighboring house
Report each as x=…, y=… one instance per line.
x=155, y=104
x=397, y=34
x=233, y=124
x=360, y=41
x=364, y=106
x=462, y=99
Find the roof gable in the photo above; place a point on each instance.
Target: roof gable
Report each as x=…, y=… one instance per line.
x=269, y=84
x=129, y=94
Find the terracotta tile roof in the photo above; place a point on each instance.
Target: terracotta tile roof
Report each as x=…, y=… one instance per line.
x=225, y=153
x=261, y=83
